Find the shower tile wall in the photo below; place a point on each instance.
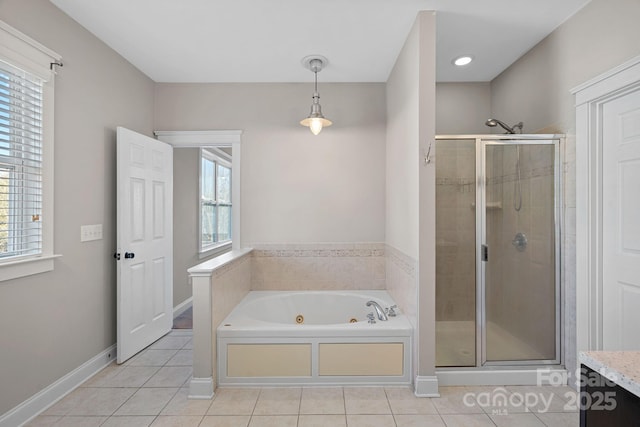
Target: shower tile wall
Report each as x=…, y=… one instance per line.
x=318, y=266
x=520, y=292
x=456, y=235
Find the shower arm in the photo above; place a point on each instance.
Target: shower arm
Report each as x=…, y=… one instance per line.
x=503, y=125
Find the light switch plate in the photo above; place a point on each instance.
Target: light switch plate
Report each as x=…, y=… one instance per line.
x=90, y=232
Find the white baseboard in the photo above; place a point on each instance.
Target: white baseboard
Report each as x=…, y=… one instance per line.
x=46, y=397
x=201, y=388
x=182, y=307
x=426, y=386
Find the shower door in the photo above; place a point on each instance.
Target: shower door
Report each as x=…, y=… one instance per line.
x=519, y=255
x=497, y=250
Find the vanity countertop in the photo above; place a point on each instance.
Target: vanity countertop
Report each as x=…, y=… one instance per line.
x=621, y=367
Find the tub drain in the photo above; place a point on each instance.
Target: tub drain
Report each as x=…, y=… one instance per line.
x=353, y=320
x=299, y=319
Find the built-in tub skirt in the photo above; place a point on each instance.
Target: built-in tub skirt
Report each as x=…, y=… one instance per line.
x=253, y=352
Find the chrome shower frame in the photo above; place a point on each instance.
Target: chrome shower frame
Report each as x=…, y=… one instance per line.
x=481, y=142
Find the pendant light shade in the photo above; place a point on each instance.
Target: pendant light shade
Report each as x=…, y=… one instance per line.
x=315, y=121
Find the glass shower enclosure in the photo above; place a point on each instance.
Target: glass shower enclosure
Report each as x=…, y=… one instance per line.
x=497, y=250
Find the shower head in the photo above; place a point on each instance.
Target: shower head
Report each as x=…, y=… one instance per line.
x=510, y=129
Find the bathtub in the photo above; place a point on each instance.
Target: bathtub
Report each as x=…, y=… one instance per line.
x=313, y=338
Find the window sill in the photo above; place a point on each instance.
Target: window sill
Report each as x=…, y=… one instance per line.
x=215, y=250
x=26, y=267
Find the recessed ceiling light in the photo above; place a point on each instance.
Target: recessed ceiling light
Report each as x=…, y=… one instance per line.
x=463, y=60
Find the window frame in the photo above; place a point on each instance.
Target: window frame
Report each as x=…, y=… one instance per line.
x=218, y=157
x=21, y=51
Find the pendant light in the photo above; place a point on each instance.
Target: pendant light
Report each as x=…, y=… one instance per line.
x=315, y=121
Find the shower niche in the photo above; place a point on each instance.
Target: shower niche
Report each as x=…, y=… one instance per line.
x=497, y=251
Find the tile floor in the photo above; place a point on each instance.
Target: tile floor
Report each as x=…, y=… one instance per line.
x=151, y=390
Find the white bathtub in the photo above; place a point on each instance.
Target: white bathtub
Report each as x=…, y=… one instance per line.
x=313, y=337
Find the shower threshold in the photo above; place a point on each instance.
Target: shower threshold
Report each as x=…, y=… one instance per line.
x=501, y=375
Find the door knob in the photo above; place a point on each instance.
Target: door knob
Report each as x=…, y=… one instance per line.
x=129, y=255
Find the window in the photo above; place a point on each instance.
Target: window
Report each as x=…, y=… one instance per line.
x=20, y=162
x=215, y=200
x=26, y=155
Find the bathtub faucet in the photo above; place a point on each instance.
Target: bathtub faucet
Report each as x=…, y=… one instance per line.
x=378, y=309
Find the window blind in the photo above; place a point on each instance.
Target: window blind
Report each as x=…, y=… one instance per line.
x=21, y=95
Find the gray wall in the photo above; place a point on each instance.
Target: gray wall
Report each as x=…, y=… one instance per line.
x=53, y=322
x=410, y=186
x=185, y=220
x=462, y=108
x=536, y=89
x=296, y=187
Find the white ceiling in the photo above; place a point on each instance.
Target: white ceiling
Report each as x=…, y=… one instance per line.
x=265, y=40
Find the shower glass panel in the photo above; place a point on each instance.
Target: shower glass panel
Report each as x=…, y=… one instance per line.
x=520, y=270
x=456, y=253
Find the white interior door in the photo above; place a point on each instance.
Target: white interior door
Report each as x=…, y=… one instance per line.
x=621, y=223
x=144, y=241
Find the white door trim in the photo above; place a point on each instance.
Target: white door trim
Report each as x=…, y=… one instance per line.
x=590, y=97
x=214, y=138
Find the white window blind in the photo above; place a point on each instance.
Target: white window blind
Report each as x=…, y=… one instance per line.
x=21, y=104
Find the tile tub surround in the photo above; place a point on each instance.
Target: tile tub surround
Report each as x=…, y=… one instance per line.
x=151, y=390
x=621, y=367
x=318, y=266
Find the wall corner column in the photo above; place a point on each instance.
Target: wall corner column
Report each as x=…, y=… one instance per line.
x=202, y=383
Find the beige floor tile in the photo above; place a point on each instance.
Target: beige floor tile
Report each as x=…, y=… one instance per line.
x=131, y=376
x=498, y=400
x=274, y=421
x=467, y=420
x=419, y=421
x=366, y=400
x=177, y=421
x=182, y=405
x=102, y=401
x=81, y=421
x=231, y=401
x=170, y=376
x=403, y=401
x=182, y=358
x=43, y=421
x=560, y=419
x=152, y=358
x=129, y=421
x=225, y=421
x=456, y=400
x=541, y=399
x=147, y=401
x=278, y=401
x=170, y=342
x=322, y=421
x=104, y=376
x=181, y=332
x=517, y=420
x=70, y=401
x=322, y=400
x=370, y=421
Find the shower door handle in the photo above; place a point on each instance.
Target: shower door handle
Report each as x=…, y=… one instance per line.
x=484, y=254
